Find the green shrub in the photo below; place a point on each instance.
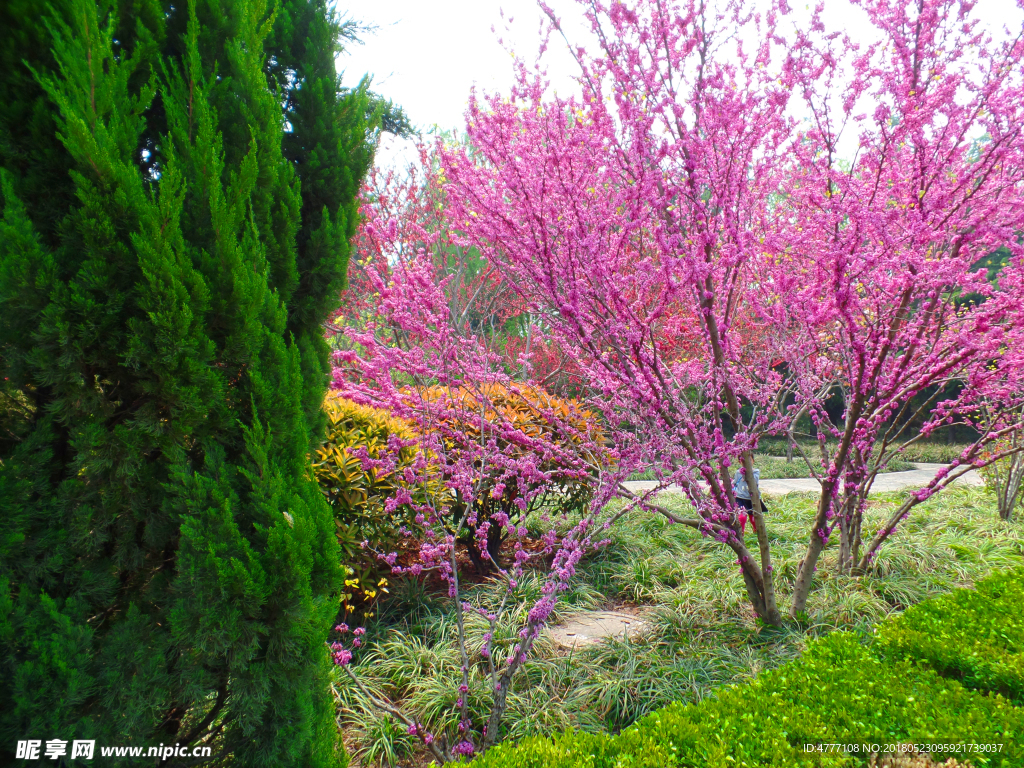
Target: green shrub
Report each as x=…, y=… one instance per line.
x=573, y=749
x=976, y=635
x=840, y=691
x=928, y=452
x=773, y=467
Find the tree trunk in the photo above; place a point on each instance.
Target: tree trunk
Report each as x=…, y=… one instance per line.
x=805, y=574
x=857, y=541
x=754, y=582
x=769, y=609
x=495, y=538
x=766, y=607
x=849, y=534
x=845, y=546
x=754, y=591
x=1008, y=490
x=482, y=566
x=820, y=531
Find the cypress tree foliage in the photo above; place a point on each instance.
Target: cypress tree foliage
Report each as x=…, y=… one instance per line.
x=171, y=241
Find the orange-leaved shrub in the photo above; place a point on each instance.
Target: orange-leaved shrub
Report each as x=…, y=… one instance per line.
x=504, y=413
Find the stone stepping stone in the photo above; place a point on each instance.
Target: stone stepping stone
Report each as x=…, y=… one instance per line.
x=594, y=626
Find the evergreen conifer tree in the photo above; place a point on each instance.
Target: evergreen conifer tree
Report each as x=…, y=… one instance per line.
x=178, y=189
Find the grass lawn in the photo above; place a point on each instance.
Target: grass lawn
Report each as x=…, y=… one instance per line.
x=702, y=633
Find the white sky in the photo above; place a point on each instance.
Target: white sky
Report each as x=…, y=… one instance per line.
x=426, y=56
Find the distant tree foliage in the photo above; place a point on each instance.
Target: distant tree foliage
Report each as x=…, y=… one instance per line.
x=179, y=188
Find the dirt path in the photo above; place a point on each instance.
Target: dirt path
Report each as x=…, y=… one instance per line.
x=594, y=626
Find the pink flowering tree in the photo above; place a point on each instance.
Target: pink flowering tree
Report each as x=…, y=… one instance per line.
x=888, y=243
x=411, y=354
x=639, y=220
x=408, y=216
x=674, y=197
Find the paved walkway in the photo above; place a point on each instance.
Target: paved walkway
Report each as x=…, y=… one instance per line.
x=918, y=477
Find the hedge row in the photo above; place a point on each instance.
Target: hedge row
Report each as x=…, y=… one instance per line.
x=976, y=636
x=844, y=690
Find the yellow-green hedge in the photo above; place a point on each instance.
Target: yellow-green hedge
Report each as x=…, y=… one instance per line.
x=357, y=495
x=846, y=690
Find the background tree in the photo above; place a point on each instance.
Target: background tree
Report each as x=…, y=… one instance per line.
x=172, y=239
x=404, y=212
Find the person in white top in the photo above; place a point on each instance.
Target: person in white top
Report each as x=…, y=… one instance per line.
x=742, y=492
